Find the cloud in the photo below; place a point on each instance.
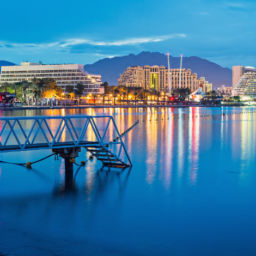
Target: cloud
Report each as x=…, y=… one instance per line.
x=5, y=44
x=83, y=50
x=124, y=42
x=105, y=55
x=68, y=43
x=236, y=6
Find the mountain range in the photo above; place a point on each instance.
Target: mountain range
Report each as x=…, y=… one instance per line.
x=111, y=68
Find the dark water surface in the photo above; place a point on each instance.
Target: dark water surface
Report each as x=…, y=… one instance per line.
x=191, y=191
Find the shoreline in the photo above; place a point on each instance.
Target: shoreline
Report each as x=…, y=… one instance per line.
x=115, y=106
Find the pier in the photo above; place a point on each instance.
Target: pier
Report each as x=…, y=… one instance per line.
x=65, y=136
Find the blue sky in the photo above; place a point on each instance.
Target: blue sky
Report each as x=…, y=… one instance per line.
x=82, y=31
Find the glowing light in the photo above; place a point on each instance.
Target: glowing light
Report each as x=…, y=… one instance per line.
x=50, y=94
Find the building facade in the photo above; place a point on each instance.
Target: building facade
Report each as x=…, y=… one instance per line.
x=246, y=86
x=237, y=72
x=224, y=90
x=156, y=77
x=66, y=74
x=133, y=77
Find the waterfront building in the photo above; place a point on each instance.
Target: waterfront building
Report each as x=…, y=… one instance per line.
x=206, y=86
x=237, y=72
x=132, y=77
x=156, y=77
x=65, y=74
x=224, y=90
x=247, y=84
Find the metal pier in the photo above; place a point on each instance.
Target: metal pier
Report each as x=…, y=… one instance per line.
x=66, y=135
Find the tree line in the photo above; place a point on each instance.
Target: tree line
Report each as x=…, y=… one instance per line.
x=41, y=88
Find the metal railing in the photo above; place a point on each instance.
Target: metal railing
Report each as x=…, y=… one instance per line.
x=52, y=132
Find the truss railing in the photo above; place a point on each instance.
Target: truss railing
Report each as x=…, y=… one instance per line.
x=52, y=132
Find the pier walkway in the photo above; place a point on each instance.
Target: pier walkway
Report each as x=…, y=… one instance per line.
x=99, y=135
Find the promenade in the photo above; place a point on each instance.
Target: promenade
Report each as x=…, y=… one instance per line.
x=121, y=106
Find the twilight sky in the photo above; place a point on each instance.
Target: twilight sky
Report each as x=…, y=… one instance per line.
x=82, y=31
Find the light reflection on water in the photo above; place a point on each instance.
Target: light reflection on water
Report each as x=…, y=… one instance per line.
x=190, y=188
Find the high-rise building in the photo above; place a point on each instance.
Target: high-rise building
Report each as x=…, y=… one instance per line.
x=66, y=74
x=156, y=77
x=237, y=72
x=133, y=77
x=246, y=86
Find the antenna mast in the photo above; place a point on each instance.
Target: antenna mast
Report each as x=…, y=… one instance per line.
x=181, y=56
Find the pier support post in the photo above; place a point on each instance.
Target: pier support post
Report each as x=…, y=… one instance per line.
x=69, y=181
x=69, y=155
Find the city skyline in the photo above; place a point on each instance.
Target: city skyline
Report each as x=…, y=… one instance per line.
x=220, y=31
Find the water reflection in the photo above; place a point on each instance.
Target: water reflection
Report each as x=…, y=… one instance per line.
x=180, y=142
x=169, y=139
x=182, y=159
x=169, y=148
x=194, y=135
x=173, y=139
x=97, y=186
x=151, y=148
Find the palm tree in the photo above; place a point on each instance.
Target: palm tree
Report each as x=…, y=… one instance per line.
x=5, y=86
x=123, y=92
x=135, y=93
x=141, y=94
x=116, y=92
x=16, y=86
x=69, y=88
x=25, y=88
x=94, y=98
x=79, y=90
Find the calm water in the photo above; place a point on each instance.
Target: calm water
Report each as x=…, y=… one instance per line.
x=191, y=191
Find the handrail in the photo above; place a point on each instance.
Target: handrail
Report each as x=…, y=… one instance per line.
x=51, y=117
x=18, y=135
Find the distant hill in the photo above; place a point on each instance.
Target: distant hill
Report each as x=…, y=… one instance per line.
x=5, y=63
x=111, y=68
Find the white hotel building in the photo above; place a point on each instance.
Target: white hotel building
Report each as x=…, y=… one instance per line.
x=66, y=74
